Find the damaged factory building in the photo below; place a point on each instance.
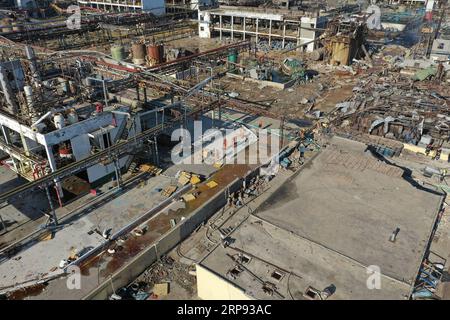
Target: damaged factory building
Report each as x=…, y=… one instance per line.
x=220, y=150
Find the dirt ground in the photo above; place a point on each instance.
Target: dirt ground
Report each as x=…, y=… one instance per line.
x=322, y=93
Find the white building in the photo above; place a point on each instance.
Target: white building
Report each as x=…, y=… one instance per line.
x=157, y=7
x=261, y=24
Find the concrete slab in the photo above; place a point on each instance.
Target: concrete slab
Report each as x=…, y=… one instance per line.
x=353, y=208
x=328, y=223
x=29, y=206
x=300, y=262
x=36, y=261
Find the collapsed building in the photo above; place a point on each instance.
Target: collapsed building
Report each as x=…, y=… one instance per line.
x=279, y=27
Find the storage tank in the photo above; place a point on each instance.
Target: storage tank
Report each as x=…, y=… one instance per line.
x=72, y=116
x=155, y=54
x=138, y=51
x=59, y=121
x=232, y=55
x=118, y=53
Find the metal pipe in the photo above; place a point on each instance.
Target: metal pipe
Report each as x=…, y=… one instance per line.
x=45, y=116
x=7, y=91
x=52, y=207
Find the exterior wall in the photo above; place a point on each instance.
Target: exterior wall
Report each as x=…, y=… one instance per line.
x=308, y=35
x=81, y=147
x=157, y=7
x=211, y=286
x=204, y=24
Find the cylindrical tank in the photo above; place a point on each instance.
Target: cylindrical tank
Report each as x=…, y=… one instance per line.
x=317, y=55
x=118, y=53
x=154, y=54
x=59, y=121
x=138, y=51
x=28, y=90
x=232, y=56
x=72, y=116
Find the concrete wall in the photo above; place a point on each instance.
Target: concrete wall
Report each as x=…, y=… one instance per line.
x=133, y=269
x=276, y=85
x=211, y=286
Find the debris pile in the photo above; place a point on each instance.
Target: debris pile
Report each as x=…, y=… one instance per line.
x=167, y=270
x=395, y=106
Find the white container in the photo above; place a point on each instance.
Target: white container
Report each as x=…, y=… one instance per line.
x=59, y=121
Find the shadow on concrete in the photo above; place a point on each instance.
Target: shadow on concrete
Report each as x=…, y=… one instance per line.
x=407, y=173
x=32, y=204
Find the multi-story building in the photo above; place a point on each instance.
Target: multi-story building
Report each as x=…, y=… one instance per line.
x=255, y=23
x=156, y=7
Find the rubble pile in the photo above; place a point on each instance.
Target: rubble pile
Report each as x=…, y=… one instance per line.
x=167, y=270
x=394, y=106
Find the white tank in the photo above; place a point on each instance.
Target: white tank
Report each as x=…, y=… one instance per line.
x=72, y=117
x=59, y=121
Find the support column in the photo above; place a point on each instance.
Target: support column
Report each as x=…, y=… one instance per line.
x=220, y=27
x=284, y=34
x=244, y=28
x=7, y=137
x=257, y=25
x=299, y=41
x=118, y=175
x=52, y=207
x=52, y=163
x=232, y=28
x=156, y=151
x=270, y=33
x=24, y=143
